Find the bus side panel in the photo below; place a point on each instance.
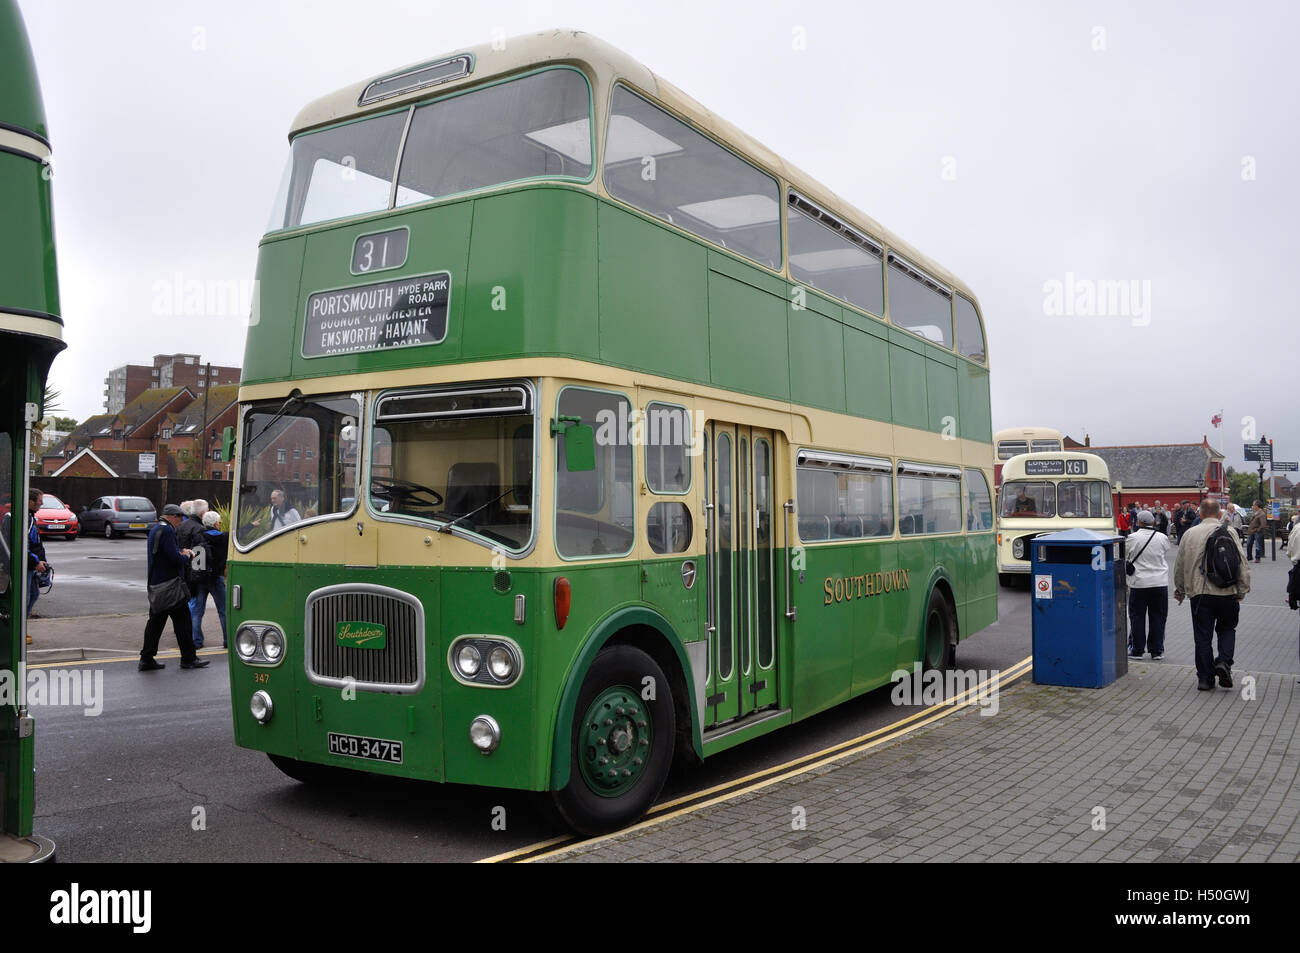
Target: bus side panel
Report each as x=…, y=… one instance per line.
x=867, y=384
x=941, y=392
x=823, y=639
x=28, y=280
x=907, y=383
x=974, y=421
x=653, y=290
x=950, y=558
x=907, y=606
x=531, y=286
x=817, y=359
x=875, y=630
x=979, y=583
x=748, y=347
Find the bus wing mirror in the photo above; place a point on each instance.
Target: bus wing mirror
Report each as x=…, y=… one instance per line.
x=227, y=444
x=579, y=443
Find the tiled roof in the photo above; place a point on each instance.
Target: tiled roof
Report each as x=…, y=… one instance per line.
x=94, y=426
x=1177, y=464
x=148, y=405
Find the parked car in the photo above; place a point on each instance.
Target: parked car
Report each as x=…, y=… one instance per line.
x=112, y=516
x=55, y=518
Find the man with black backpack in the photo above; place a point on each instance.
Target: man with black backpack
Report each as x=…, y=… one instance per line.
x=1213, y=570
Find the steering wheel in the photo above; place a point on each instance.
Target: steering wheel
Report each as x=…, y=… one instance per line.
x=400, y=492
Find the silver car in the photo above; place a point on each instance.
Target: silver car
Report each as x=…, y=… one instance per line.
x=112, y=516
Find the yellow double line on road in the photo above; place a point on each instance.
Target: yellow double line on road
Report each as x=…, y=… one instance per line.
x=698, y=800
x=68, y=663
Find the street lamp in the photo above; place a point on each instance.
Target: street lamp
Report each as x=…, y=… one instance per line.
x=1119, y=490
x=1200, y=490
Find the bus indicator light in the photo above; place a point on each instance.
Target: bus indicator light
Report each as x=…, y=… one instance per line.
x=563, y=597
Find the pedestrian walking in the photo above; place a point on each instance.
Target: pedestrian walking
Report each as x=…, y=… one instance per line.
x=1148, y=588
x=168, y=594
x=1258, y=523
x=1213, y=571
x=36, y=563
x=210, y=578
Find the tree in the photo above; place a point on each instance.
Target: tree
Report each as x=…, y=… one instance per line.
x=65, y=423
x=1243, y=488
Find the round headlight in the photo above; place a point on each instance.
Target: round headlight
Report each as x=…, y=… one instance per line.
x=485, y=733
x=468, y=660
x=1018, y=548
x=272, y=645
x=501, y=663
x=261, y=706
x=246, y=643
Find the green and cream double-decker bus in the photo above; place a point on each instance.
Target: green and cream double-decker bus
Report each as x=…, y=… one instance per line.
x=31, y=334
x=579, y=430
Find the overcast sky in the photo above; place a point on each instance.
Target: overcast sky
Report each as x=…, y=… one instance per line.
x=1019, y=144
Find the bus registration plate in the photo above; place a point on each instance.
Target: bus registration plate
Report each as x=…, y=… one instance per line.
x=368, y=749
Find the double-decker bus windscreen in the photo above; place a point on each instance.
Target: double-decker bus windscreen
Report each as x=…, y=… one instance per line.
x=298, y=462
x=461, y=459
x=531, y=127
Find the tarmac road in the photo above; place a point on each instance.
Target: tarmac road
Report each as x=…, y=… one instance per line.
x=127, y=784
x=95, y=576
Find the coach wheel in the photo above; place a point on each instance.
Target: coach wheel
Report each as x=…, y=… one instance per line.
x=108, y=531
x=940, y=632
x=621, y=744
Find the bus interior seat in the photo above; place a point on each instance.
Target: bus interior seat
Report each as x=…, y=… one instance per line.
x=471, y=485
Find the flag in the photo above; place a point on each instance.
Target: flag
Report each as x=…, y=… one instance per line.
x=1216, y=419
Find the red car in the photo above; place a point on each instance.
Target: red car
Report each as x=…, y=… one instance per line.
x=56, y=519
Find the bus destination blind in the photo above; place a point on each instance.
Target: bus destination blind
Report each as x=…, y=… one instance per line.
x=405, y=312
x=1056, y=467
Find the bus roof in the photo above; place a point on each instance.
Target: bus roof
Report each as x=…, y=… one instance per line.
x=1027, y=433
x=21, y=109
x=1014, y=468
x=607, y=64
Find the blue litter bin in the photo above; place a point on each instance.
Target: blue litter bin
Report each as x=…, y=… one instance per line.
x=1080, y=608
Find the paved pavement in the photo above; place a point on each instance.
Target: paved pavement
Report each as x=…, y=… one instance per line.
x=1148, y=769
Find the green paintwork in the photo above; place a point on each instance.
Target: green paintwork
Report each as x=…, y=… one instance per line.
x=547, y=269
x=20, y=91
x=28, y=283
x=615, y=741
x=625, y=285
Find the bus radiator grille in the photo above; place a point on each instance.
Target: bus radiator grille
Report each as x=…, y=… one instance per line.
x=394, y=662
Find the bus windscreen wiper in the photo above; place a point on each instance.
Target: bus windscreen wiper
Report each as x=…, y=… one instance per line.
x=446, y=527
x=293, y=399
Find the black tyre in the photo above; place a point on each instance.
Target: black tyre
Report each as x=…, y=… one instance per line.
x=621, y=744
x=1006, y=580
x=108, y=530
x=939, y=635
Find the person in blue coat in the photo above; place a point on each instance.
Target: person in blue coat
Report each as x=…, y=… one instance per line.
x=167, y=561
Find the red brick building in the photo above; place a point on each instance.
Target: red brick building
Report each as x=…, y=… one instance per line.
x=124, y=384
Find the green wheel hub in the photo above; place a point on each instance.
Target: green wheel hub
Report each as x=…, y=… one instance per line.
x=616, y=740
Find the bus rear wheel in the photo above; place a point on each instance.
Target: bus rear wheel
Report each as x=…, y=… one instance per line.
x=621, y=743
x=940, y=633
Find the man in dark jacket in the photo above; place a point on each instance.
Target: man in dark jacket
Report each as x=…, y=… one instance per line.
x=211, y=579
x=167, y=561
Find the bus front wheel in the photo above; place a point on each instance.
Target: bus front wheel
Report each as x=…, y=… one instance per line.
x=621, y=743
x=940, y=633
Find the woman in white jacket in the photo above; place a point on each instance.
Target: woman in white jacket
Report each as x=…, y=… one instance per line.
x=1148, y=588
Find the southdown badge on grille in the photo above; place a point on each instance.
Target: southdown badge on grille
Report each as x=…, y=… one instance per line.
x=361, y=635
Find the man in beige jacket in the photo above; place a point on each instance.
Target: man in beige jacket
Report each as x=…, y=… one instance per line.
x=1213, y=607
